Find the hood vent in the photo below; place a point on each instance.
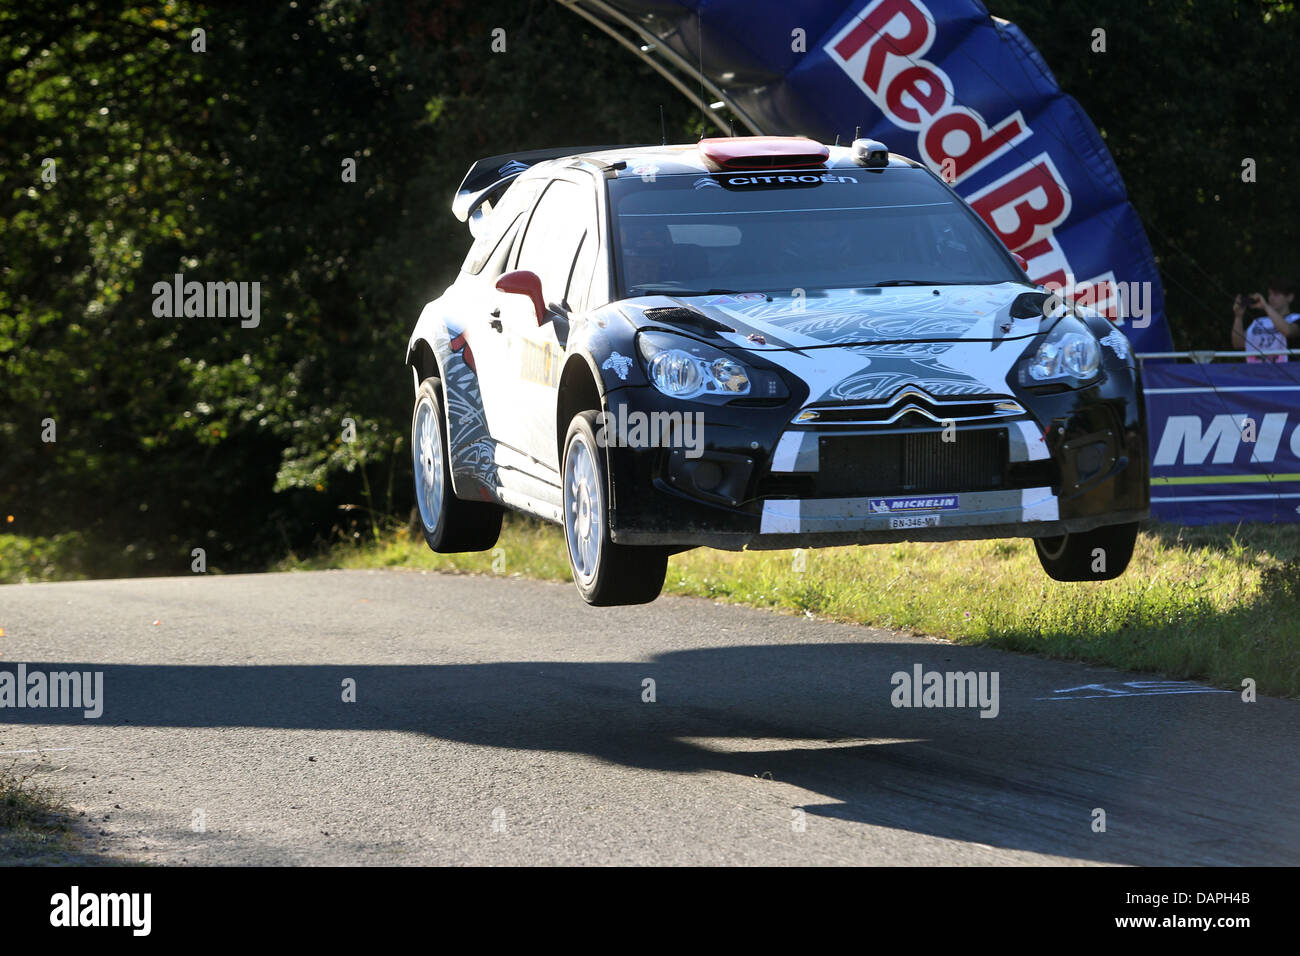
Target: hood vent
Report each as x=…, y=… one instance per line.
x=678, y=315
x=1028, y=305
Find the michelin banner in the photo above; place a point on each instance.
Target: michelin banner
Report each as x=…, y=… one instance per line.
x=940, y=81
x=1225, y=442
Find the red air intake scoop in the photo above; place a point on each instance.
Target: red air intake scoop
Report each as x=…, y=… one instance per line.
x=763, y=152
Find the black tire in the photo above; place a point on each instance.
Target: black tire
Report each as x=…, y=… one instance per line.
x=605, y=573
x=450, y=524
x=1073, y=557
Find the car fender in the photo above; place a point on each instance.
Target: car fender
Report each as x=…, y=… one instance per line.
x=470, y=447
x=606, y=340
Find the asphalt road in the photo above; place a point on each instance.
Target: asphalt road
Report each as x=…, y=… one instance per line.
x=500, y=721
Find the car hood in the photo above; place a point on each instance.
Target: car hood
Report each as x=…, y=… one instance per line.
x=837, y=317
x=864, y=345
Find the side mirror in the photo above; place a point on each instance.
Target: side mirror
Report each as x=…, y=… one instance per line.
x=1021, y=261
x=523, y=282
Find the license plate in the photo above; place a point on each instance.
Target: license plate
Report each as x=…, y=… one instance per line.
x=915, y=521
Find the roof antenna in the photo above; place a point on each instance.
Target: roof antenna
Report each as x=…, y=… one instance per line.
x=837, y=139
x=731, y=125
x=663, y=130
x=699, y=40
x=857, y=133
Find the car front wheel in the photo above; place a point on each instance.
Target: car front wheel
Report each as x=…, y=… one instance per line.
x=606, y=573
x=1097, y=555
x=450, y=524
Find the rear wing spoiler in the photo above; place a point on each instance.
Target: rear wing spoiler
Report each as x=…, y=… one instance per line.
x=489, y=176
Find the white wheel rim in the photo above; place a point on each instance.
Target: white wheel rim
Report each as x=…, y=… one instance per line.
x=584, y=509
x=426, y=442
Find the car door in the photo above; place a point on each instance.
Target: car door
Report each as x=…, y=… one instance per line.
x=483, y=322
x=561, y=245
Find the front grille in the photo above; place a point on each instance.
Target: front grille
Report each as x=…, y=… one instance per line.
x=910, y=408
x=857, y=465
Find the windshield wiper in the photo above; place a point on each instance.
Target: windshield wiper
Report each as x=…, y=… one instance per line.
x=889, y=282
x=644, y=290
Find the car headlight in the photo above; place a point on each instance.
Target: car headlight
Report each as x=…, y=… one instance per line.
x=684, y=368
x=1069, y=352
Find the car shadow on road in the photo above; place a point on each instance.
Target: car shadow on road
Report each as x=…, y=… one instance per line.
x=818, y=717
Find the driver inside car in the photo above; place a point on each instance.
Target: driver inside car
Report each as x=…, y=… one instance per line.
x=810, y=245
x=647, y=252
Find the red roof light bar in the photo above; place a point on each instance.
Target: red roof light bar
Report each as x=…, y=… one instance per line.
x=763, y=152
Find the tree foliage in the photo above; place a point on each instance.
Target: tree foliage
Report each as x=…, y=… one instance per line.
x=227, y=165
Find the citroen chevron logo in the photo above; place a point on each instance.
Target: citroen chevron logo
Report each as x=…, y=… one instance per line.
x=910, y=392
x=909, y=407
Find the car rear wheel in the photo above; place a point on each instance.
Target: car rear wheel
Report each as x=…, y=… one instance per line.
x=606, y=573
x=450, y=524
x=1097, y=555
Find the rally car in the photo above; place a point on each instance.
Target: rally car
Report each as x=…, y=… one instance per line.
x=761, y=342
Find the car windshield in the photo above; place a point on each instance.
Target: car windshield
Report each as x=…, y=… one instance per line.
x=778, y=231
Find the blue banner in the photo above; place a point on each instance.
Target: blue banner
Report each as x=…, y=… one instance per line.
x=942, y=82
x=1225, y=442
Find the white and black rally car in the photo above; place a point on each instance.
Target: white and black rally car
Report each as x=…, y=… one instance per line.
x=761, y=342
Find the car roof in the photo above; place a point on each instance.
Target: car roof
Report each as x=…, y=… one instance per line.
x=686, y=158
x=488, y=177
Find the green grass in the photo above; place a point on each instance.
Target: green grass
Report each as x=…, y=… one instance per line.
x=34, y=823
x=37, y=828
x=1215, y=604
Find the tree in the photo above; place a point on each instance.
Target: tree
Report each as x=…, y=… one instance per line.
x=227, y=164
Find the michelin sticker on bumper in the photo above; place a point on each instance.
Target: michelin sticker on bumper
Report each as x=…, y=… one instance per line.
x=894, y=506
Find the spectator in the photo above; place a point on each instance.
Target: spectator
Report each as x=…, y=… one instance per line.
x=1277, y=329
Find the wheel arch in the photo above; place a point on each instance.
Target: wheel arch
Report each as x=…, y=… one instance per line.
x=423, y=362
x=580, y=389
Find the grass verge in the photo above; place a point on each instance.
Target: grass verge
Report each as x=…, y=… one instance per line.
x=1215, y=604
x=35, y=828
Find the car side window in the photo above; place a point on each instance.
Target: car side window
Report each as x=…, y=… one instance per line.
x=580, y=281
x=500, y=222
x=496, y=261
x=564, y=214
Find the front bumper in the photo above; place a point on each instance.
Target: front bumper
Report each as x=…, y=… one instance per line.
x=1076, y=460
